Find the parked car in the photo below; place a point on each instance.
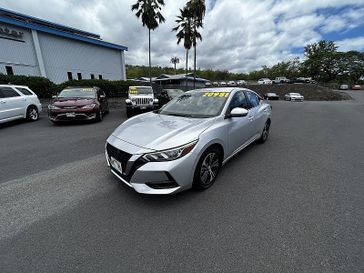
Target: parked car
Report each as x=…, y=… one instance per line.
x=241, y=83
x=356, y=87
x=207, y=84
x=185, y=143
x=271, y=96
x=232, y=83
x=222, y=83
x=18, y=102
x=264, y=81
x=293, y=97
x=167, y=95
x=344, y=87
x=78, y=103
x=215, y=84
x=305, y=80
x=281, y=80
x=140, y=98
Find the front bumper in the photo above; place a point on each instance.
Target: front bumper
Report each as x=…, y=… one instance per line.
x=142, y=106
x=296, y=99
x=72, y=114
x=149, y=177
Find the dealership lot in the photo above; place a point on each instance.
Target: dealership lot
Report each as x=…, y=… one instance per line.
x=292, y=204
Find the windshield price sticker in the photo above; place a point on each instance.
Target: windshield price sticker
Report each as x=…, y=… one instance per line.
x=133, y=90
x=216, y=94
x=87, y=89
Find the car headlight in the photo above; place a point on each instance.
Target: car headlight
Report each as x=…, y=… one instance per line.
x=89, y=106
x=128, y=101
x=171, y=154
x=155, y=100
x=53, y=107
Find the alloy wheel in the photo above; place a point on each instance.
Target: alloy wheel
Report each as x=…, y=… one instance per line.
x=209, y=168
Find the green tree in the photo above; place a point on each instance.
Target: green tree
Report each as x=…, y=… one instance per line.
x=197, y=9
x=175, y=61
x=322, y=61
x=184, y=31
x=150, y=13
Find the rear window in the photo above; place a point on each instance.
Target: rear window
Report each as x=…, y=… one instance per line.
x=24, y=91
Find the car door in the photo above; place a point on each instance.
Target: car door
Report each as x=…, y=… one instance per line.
x=256, y=114
x=239, y=127
x=12, y=104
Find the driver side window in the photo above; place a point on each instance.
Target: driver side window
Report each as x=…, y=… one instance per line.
x=238, y=100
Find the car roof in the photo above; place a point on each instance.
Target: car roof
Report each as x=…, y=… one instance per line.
x=70, y=87
x=13, y=85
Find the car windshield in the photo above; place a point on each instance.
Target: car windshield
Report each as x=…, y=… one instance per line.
x=196, y=104
x=141, y=90
x=271, y=94
x=295, y=94
x=174, y=92
x=78, y=93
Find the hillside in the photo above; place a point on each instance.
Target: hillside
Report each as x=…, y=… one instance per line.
x=309, y=91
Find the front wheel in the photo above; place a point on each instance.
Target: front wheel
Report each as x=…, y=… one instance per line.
x=207, y=169
x=32, y=113
x=129, y=112
x=264, y=136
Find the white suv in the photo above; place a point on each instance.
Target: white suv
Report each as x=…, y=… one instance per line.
x=18, y=102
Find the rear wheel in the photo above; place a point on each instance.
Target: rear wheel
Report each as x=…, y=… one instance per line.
x=207, y=169
x=32, y=113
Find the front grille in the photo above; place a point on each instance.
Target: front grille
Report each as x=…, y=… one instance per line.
x=121, y=156
x=142, y=101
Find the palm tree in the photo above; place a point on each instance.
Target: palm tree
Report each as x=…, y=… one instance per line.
x=184, y=31
x=198, y=9
x=149, y=11
x=175, y=61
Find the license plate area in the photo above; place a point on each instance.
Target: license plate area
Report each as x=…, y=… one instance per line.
x=70, y=115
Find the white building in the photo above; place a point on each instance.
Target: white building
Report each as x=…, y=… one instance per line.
x=35, y=47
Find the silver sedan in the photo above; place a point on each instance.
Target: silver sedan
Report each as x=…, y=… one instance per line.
x=185, y=143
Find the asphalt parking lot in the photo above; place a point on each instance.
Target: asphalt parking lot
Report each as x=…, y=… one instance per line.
x=293, y=204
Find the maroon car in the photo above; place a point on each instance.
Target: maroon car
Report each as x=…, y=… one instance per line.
x=78, y=103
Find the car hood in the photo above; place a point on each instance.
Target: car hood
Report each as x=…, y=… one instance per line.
x=160, y=132
x=72, y=102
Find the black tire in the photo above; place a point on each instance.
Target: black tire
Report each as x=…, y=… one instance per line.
x=32, y=113
x=204, y=177
x=129, y=112
x=264, y=136
x=99, y=116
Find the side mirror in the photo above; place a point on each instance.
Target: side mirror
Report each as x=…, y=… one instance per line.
x=238, y=112
x=54, y=96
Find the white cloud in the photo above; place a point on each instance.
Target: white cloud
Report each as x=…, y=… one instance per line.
x=351, y=44
x=238, y=35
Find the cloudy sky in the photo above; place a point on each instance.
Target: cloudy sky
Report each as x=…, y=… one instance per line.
x=238, y=35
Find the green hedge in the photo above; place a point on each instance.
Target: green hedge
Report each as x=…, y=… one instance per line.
x=44, y=88
x=111, y=88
